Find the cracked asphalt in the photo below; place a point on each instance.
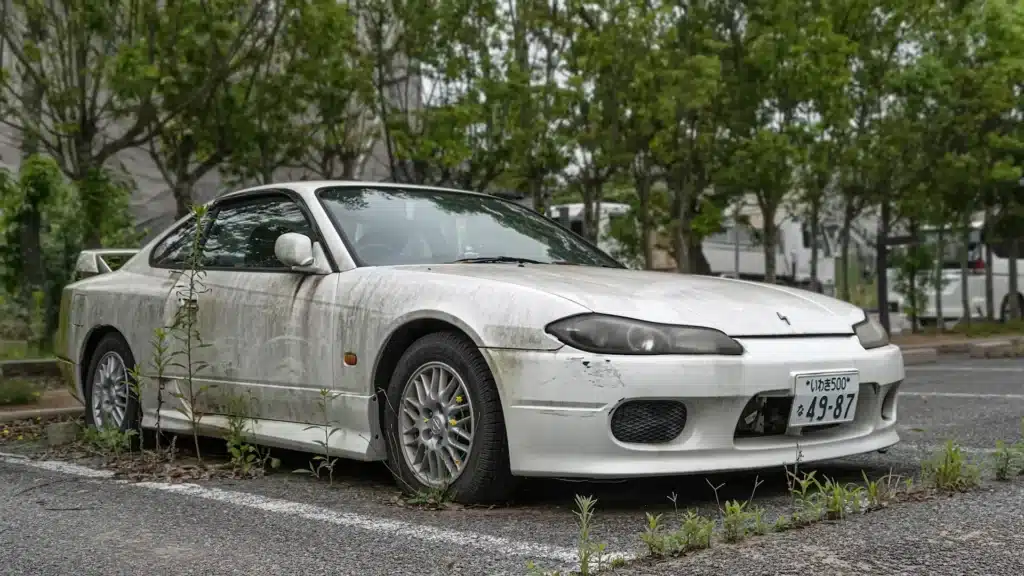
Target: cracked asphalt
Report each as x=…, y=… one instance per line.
x=55, y=521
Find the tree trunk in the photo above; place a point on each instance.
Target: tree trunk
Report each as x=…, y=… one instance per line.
x=912, y=285
x=1014, y=293
x=588, y=208
x=965, y=299
x=682, y=241
x=642, y=179
x=815, y=216
x=990, y=307
x=844, y=252
x=32, y=223
x=91, y=191
x=770, y=241
x=882, y=266
x=698, y=262
x=940, y=251
x=182, y=191
x=537, y=193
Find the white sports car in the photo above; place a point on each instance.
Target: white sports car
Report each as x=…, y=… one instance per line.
x=469, y=341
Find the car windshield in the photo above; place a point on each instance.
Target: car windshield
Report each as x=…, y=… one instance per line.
x=392, y=226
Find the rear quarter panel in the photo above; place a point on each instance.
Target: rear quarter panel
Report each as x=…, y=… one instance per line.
x=130, y=302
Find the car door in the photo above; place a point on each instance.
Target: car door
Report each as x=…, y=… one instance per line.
x=267, y=330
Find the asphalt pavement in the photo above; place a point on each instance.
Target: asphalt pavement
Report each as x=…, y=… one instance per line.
x=58, y=518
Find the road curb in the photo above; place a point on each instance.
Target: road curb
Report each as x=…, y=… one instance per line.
x=994, y=349
x=913, y=356
x=33, y=367
x=42, y=413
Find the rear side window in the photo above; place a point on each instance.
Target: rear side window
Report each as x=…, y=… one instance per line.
x=173, y=251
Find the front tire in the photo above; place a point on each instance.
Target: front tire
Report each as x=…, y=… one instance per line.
x=444, y=426
x=110, y=400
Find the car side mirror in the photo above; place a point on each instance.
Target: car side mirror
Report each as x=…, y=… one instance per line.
x=300, y=253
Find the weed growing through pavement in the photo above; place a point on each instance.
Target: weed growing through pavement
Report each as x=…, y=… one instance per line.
x=322, y=462
x=737, y=517
x=692, y=532
x=590, y=555
x=1008, y=458
x=161, y=348
x=110, y=441
x=949, y=470
x=185, y=330
x=587, y=549
x=246, y=458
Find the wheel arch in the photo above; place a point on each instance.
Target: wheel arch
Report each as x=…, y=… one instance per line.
x=409, y=330
x=1004, y=308
x=91, y=341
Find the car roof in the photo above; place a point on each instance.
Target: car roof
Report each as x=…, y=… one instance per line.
x=308, y=187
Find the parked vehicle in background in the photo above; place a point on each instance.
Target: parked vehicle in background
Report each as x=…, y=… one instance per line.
x=737, y=251
x=468, y=341
x=952, y=287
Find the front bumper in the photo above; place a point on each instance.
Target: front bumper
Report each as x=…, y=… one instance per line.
x=558, y=407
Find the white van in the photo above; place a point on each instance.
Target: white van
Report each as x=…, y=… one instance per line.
x=952, y=305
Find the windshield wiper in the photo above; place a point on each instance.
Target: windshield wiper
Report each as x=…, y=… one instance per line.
x=495, y=259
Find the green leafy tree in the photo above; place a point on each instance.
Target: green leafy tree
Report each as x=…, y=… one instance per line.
x=690, y=114
x=94, y=74
x=207, y=127
x=42, y=194
x=445, y=107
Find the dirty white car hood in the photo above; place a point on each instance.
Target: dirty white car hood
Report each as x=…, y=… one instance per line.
x=734, y=307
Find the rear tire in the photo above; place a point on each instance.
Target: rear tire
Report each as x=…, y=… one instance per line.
x=1004, y=310
x=426, y=430
x=109, y=398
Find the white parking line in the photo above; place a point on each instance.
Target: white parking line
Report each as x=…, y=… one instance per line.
x=960, y=368
x=961, y=395
x=385, y=527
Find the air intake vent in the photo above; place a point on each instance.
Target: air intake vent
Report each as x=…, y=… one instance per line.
x=648, y=421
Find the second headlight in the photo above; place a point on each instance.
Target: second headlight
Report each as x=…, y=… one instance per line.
x=616, y=335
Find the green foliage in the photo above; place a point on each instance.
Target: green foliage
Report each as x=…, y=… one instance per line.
x=914, y=277
x=109, y=440
x=949, y=469
x=15, y=391
x=184, y=330
x=322, y=462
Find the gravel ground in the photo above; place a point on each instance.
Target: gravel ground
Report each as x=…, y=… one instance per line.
x=55, y=522
x=977, y=533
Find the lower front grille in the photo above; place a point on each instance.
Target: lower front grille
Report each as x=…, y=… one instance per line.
x=648, y=421
x=764, y=416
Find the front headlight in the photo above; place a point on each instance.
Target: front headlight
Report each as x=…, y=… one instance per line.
x=871, y=333
x=615, y=335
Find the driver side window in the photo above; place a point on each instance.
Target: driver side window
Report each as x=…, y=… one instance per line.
x=243, y=233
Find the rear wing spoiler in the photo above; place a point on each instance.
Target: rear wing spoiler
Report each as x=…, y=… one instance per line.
x=94, y=262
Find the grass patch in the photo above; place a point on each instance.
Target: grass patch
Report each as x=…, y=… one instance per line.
x=20, y=350
x=982, y=328
x=949, y=470
x=16, y=391
x=978, y=329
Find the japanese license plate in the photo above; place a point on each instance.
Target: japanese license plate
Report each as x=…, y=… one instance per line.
x=825, y=398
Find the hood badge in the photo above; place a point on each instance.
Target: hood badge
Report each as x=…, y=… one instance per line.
x=783, y=318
